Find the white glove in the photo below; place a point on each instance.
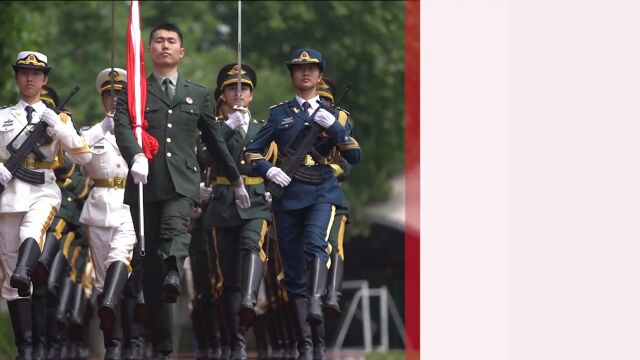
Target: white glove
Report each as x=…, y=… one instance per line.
x=236, y=119
x=107, y=124
x=278, y=176
x=205, y=192
x=5, y=175
x=51, y=118
x=242, y=197
x=324, y=118
x=140, y=169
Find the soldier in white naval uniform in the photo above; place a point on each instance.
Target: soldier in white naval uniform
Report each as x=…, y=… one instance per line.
x=26, y=209
x=109, y=225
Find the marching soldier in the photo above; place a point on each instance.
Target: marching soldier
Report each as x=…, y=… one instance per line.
x=239, y=234
x=304, y=213
x=107, y=219
x=175, y=109
x=26, y=208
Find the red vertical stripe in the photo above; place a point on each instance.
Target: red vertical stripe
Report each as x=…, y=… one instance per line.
x=412, y=172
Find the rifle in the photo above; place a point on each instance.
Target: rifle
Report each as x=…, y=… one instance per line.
x=306, y=145
x=37, y=136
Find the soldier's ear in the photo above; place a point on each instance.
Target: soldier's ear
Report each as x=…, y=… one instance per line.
x=46, y=79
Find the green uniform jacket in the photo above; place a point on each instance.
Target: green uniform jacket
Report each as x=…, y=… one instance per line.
x=174, y=169
x=222, y=210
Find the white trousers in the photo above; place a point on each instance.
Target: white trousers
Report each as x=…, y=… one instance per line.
x=108, y=245
x=14, y=229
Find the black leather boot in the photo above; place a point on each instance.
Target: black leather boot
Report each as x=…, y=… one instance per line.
x=114, y=282
x=319, y=345
x=53, y=335
x=251, y=272
x=78, y=305
x=43, y=265
x=132, y=331
x=28, y=255
x=298, y=305
x=316, y=285
x=334, y=286
x=171, y=288
x=20, y=313
x=113, y=338
x=64, y=300
x=237, y=340
x=58, y=268
x=39, y=323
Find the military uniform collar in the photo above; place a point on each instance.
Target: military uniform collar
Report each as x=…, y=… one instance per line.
x=39, y=107
x=313, y=102
x=160, y=79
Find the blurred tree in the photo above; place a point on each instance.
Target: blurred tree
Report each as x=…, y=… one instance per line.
x=363, y=43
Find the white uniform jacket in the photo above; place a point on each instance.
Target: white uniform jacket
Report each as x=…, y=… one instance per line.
x=104, y=206
x=19, y=195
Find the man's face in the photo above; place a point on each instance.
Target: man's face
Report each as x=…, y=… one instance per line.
x=306, y=76
x=30, y=82
x=230, y=95
x=109, y=101
x=165, y=48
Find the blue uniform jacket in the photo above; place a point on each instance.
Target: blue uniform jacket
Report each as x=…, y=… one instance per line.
x=286, y=122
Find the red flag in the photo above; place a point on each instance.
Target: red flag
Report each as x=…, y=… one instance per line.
x=137, y=84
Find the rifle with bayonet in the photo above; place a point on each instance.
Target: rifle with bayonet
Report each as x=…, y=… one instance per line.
x=292, y=163
x=37, y=137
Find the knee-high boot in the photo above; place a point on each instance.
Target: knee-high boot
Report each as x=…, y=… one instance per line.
x=319, y=346
x=20, y=313
x=298, y=306
x=39, y=324
x=114, y=282
x=112, y=336
x=334, y=286
x=250, y=278
x=316, y=285
x=237, y=340
x=28, y=255
x=56, y=272
x=43, y=265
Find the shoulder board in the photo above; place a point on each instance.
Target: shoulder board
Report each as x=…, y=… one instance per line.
x=343, y=110
x=276, y=105
x=192, y=83
x=85, y=128
x=261, y=120
x=64, y=117
x=4, y=106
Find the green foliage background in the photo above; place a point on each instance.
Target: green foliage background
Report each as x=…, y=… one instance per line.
x=362, y=41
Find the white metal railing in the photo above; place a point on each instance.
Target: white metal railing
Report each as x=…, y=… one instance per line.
x=387, y=306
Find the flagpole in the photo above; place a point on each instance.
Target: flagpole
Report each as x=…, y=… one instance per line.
x=239, y=88
x=135, y=35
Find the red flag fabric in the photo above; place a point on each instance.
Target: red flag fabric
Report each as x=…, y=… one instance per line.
x=137, y=84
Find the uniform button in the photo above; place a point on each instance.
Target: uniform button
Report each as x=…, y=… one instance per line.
x=242, y=162
x=168, y=154
x=168, y=139
x=169, y=125
x=244, y=148
x=118, y=165
x=195, y=168
x=68, y=199
x=170, y=111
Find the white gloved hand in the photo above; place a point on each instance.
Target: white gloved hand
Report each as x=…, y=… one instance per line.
x=205, y=192
x=324, y=118
x=140, y=169
x=107, y=124
x=242, y=197
x=5, y=175
x=278, y=176
x=236, y=119
x=51, y=118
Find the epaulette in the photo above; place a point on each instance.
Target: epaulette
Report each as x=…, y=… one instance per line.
x=345, y=111
x=260, y=120
x=276, y=105
x=85, y=128
x=191, y=82
x=4, y=106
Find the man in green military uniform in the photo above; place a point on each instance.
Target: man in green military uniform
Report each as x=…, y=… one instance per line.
x=238, y=233
x=175, y=109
